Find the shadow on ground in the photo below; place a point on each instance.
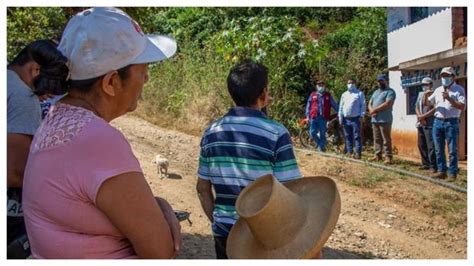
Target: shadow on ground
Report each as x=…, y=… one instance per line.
x=197, y=246
x=174, y=176
x=330, y=253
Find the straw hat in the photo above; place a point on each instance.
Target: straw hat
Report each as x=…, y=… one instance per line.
x=287, y=221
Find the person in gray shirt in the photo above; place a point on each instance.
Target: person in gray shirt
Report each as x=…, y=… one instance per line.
x=380, y=109
x=38, y=68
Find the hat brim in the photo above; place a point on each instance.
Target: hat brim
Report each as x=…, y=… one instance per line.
x=324, y=205
x=158, y=48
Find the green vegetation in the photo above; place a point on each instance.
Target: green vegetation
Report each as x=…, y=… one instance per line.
x=370, y=179
x=296, y=44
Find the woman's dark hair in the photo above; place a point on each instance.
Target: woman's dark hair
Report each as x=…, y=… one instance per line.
x=53, y=68
x=86, y=85
x=246, y=82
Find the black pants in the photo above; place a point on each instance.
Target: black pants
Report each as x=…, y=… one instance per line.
x=426, y=147
x=220, y=245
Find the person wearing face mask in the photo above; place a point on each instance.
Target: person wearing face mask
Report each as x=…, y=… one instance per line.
x=424, y=124
x=318, y=113
x=449, y=100
x=351, y=112
x=380, y=109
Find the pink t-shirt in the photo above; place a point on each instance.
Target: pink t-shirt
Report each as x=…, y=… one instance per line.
x=72, y=154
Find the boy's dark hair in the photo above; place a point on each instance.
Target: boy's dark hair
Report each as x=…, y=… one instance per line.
x=246, y=82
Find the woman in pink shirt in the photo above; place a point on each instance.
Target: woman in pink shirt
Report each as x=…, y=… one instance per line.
x=84, y=194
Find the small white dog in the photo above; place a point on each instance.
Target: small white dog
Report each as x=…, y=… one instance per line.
x=162, y=164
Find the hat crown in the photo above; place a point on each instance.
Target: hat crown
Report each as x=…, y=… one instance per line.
x=448, y=70
x=266, y=205
x=99, y=40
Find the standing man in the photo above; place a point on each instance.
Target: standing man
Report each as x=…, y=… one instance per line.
x=318, y=113
x=351, y=112
x=424, y=114
x=380, y=109
x=449, y=101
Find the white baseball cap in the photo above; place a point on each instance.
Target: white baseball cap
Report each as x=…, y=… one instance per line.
x=427, y=80
x=448, y=70
x=101, y=39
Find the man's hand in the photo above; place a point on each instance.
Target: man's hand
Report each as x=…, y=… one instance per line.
x=446, y=96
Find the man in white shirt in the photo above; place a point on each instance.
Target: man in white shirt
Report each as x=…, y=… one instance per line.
x=351, y=111
x=449, y=101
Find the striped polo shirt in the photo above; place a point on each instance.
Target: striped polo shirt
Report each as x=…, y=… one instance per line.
x=236, y=150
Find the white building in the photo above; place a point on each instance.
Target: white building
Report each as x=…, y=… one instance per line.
x=421, y=41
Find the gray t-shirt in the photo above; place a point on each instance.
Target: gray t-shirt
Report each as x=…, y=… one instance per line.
x=379, y=97
x=23, y=107
x=23, y=117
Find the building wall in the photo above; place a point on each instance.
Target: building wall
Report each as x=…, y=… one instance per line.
x=398, y=17
x=410, y=42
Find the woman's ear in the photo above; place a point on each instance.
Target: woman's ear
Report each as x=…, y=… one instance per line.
x=110, y=82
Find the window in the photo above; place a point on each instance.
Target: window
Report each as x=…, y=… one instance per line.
x=418, y=13
x=412, y=96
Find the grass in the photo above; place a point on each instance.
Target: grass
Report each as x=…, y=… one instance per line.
x=370, y=179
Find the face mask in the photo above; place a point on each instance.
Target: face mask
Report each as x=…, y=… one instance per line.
x=321, y=89
x=446, y=81
x=350, y=86
x=426, y=88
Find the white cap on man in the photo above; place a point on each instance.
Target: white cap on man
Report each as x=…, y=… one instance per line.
x=427, y=80
x=101, y=39
x=448, y=70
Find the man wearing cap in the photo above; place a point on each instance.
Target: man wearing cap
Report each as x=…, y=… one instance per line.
x=424, y=124
x=380, y=109
x=351, y=111
x=449, y=101
x=318, y=113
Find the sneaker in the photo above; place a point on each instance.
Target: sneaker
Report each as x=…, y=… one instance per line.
x=375, y=158
x=440, y=175
x=357, y=156
x=388, y=160
x=451, y=178
x=433, y=171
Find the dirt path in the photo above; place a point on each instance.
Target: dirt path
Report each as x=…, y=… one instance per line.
x=371, y=225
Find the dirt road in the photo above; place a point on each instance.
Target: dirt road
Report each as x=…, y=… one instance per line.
x=397, y=218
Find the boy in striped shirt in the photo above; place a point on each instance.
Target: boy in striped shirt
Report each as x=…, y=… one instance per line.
x=240, y=147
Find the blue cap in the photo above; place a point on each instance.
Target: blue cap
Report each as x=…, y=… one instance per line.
x=381, y=77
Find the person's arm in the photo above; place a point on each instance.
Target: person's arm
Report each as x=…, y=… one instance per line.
x=427, y=114
x=457, y=104
x=18, y=147
x=387, y=104
x=362, y=104
x=128, y=202
x=285, y=167
x=341, y=104
x=204, y=190
x=308, y=103
x=371, y=110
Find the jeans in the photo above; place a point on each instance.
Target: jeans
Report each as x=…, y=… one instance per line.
x=317, y=130
x=382, y=137
x=446, y=131
x=351, y=128
x=220, y=244
x=426, y=147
